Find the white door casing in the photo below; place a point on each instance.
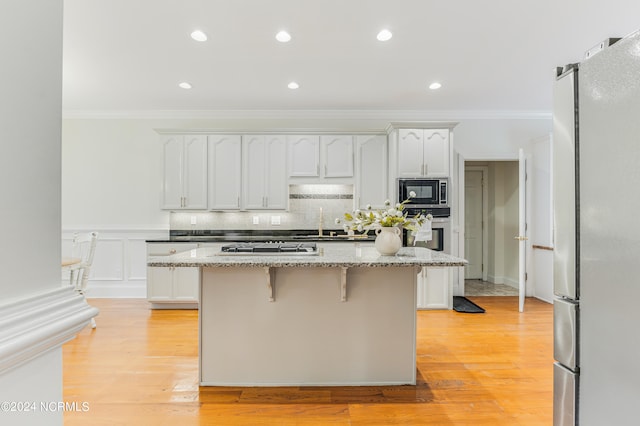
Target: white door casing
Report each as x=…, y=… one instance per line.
x=522, y=228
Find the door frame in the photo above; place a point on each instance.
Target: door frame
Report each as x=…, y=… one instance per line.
x=523, y=233
x=493, y=159
x=485, y=214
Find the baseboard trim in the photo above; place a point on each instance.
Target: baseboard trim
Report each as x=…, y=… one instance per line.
x=116, y=290
x=38, y=323
x=503, y=280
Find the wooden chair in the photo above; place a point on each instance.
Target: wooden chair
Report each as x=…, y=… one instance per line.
x=84, y=246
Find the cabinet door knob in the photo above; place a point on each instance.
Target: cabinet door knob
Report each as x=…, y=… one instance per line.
x=172, y=251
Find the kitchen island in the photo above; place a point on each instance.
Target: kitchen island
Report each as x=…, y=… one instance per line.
x=346, y=316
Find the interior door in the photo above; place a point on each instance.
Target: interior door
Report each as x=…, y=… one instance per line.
x=541, y=218
x=473, y=219
x=522, y=228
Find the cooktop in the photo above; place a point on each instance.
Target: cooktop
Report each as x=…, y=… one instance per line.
x=271, y=247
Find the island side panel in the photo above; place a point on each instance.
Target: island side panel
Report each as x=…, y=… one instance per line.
x=308, y=336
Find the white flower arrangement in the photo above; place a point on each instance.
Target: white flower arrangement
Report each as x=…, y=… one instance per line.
x=363, y=221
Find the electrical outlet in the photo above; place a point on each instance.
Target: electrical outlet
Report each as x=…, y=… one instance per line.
x=275, y=220
x=194, y=220
x=256, y=220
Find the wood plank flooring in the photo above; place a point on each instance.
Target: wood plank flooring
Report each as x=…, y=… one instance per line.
x=140, y=367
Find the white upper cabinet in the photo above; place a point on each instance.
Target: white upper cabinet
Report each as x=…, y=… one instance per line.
x=326, y=156
x=337, y=155
x=264, y=172
x=410, y=152
x=184, y=183
x=423, y=153
x=225, y=165
x=436, y=152
x=371, y=166
x=304, y=155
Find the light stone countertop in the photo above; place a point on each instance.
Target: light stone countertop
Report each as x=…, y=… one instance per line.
x=365, y=256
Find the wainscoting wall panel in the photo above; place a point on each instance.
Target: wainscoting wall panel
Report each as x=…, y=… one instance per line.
x=119, y=266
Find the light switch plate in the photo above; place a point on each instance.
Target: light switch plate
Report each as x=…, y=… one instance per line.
x=256, y=220
x=275, y=220
x=193, y=220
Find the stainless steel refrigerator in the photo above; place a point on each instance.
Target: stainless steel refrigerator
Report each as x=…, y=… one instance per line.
x=596, y=185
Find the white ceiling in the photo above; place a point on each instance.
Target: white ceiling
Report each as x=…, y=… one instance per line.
x=492, y=56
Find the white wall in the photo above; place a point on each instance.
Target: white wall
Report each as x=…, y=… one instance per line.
x=111, y=174
x=498, y=139
x=111, y=167
x=30, y=114
x=30, y=117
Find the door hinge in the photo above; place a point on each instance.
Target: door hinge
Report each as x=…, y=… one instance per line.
x=526, y=276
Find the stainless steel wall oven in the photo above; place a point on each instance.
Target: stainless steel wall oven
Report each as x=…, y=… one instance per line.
x=440, y=229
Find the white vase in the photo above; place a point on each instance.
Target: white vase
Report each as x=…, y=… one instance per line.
x=388, y=240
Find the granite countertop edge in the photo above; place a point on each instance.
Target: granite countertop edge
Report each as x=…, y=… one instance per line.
x=345, y=257
x=272, y=264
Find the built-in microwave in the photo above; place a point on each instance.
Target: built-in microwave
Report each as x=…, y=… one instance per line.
x=429, y=192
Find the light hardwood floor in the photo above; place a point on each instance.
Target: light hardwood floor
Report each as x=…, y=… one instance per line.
x=140, y=367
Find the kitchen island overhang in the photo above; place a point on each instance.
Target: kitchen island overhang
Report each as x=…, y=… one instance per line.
x=345, y=317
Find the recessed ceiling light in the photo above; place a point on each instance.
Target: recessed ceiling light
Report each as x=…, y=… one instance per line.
x=293, y=85
x=384, y=35
x=185, y=85
x=283, y=37
x=435, y=85
x=198, y=35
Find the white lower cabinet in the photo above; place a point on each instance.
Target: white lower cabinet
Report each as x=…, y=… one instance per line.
x=172, y=287
x=435, y=288
x=172, y=284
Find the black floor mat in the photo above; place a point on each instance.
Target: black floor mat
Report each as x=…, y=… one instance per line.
x=462, y=304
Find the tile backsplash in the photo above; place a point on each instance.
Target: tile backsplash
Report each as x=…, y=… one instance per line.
x=305, y=202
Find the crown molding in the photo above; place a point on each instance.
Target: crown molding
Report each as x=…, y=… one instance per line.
x=332, y=114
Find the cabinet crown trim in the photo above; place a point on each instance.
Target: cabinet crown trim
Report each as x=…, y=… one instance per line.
x=287, y=131
x=421, y=125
